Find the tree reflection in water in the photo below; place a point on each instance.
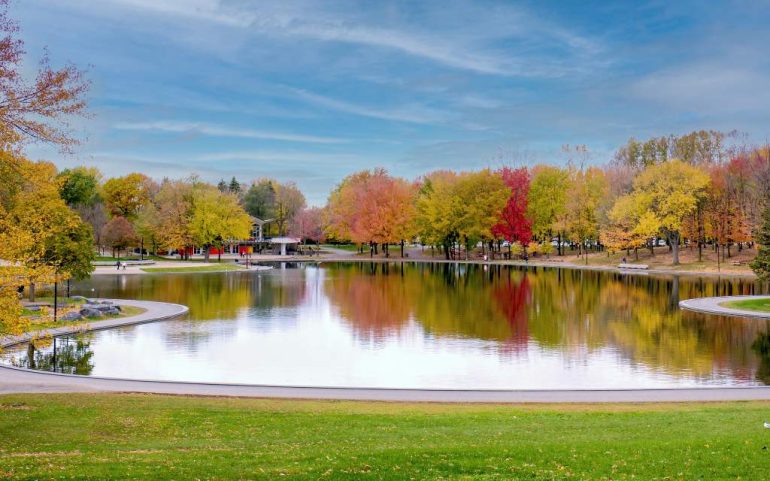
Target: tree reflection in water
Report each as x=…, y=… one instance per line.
x=65, y=355
x=568, y=314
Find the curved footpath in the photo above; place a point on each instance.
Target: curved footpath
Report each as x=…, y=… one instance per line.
x=711, y=305
x=16, y=380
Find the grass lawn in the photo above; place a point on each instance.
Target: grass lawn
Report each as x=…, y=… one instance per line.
x=214, y=268
x=761, y=305
x=344, y=247
x=131, y=436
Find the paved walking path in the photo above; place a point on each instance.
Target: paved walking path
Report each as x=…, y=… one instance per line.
x=15, y=380
x=711, y=305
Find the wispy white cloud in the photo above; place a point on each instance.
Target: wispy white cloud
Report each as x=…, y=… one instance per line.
x=408, y=113
x=222, y=131
x=470, y=46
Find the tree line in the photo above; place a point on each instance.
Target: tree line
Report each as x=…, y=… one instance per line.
x=690, y=190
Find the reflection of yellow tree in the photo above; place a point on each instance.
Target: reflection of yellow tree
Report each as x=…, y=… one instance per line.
x=637, y=316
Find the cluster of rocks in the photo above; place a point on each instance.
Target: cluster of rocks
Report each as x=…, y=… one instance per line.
x=94, y=308
x=91, y=308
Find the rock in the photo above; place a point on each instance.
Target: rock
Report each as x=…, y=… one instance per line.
x=112, y=312
x=71, y=316
x=33, y=308
x=79, y=298
x=88, y=312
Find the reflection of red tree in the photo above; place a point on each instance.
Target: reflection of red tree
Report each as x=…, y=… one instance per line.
x=512, y=298
x=375, y=306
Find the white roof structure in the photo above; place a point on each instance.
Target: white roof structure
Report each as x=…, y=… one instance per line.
x=283, y=242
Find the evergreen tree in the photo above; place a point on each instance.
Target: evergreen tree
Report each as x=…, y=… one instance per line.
x=235, y=186
x=761, y=264
x=222, y=185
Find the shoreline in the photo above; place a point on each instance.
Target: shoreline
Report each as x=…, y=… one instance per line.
x=355, y=258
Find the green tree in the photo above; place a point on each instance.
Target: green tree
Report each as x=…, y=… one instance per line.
x=259, y=200
x=761, y=263
x=79, y=186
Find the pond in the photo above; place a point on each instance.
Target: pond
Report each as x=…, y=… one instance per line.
x=448, y=326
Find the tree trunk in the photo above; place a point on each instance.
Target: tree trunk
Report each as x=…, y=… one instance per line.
x=206, y=253
x=31, y=292
x=673, y=242
x=558, y=239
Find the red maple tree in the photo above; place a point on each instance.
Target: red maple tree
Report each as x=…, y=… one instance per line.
x=514, y=226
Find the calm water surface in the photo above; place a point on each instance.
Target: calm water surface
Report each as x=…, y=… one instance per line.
x=421, y=326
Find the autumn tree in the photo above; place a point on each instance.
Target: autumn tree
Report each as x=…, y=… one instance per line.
x=460, y=208
x=33, y=109
x=547, y=202
x=36, y=110
x=172, y=220
x=289, y=200
x=119, y=234
x=588, y=188
x=668, y=193
x=47, y=241
x=514, y=225
x=308, y=225
x=372, y=207
x=123, y=196
x=216, y=218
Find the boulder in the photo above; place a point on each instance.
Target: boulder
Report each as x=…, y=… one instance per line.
x=71, y=316
x=112, y=312
x=79, y=298
x=88, y=312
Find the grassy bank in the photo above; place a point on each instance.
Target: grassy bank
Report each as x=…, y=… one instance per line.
x=759, y=305
x=101, y=436
x=206, y=268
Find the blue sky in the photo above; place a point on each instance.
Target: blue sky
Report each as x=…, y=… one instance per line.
x=310, y=91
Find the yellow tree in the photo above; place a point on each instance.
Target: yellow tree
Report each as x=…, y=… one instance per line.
x=217, y=217
x=624, y=229
x=547, y=202
x=588, y=188
x=124, y=196
x=668, y=193
x=171, y=223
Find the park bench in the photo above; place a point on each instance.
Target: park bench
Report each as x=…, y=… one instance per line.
x=633, y=266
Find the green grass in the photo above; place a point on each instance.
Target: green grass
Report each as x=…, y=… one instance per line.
x=214, y=268
x=760, y=305
x=344, y=247
x=125, y=311
x=130, y=436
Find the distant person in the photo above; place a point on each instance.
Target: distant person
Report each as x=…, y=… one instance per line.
x=623, y=260
x=117, y=265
